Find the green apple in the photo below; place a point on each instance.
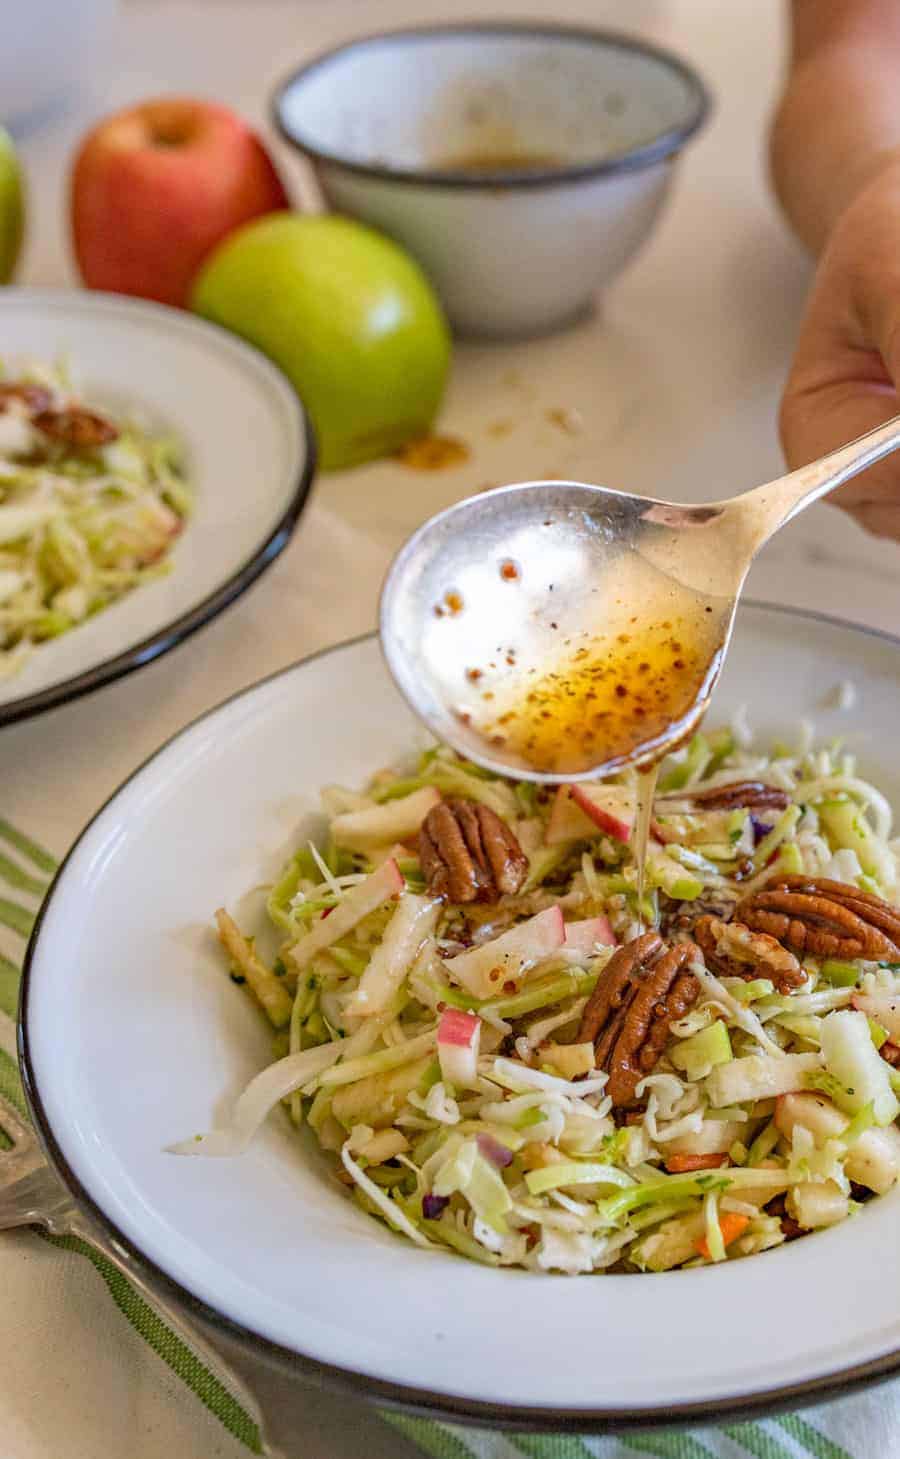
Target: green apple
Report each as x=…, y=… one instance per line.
x=349, y=317
x=12, y=208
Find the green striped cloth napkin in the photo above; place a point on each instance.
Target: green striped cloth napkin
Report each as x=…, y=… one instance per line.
x=859, y=1428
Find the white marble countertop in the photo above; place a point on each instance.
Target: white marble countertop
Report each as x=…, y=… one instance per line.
x=675, y=384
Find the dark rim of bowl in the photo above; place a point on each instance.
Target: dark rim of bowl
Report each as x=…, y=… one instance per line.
x=172, y=634
x=662, y=146
x=410, y=1398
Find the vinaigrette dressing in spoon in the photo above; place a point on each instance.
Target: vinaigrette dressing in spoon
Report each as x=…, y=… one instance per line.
x=613, y=689
x=602, y=694
x=559, y=631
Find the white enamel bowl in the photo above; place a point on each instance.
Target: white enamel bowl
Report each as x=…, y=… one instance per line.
x=250, y=457
x=132, y=1036
x=510, y=253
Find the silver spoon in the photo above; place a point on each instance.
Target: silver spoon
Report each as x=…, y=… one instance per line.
x=503, y=591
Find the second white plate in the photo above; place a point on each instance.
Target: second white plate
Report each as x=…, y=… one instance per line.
x=250, y=456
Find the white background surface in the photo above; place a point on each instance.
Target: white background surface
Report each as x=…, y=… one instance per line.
x=675, y=383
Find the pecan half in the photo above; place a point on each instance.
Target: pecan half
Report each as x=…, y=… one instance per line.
x=82, y=429
x=752, y=794
x=824, y=918
x=641, y=991
x=735, y=951
x=34, y=397
x=469, y=854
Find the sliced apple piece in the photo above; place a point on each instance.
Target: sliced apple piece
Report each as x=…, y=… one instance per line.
x=670, y=1243
x=612, y=807
x=570, y=1061
x=362, y=899
x=380, y=825
x=567, y=821
x=459, y=1036
x=714, y=1137
x=758, y=1076
x=380, y=854
x=484, y=970
x=415, y=919
x=884, y=1008
x=817, y=1203
x=873, y=1160
x=851, y=1057
x=582, y=937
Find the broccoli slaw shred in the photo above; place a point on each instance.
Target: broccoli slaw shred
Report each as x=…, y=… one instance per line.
x=89, y=509
x=508, y=1055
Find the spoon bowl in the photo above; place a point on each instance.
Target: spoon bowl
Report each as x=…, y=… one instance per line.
x=559, y=631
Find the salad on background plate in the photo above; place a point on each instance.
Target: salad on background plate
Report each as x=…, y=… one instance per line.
x=89, y=509
x=512, y=1054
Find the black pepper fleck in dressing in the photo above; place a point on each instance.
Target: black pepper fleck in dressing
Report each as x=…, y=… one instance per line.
x=609, y=696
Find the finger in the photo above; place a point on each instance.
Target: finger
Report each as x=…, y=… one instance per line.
x=842, y=382
x=817, y=420
x=882, y=519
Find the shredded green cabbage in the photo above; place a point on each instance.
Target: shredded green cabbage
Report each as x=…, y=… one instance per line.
x=90, y=507
x=500, y=1158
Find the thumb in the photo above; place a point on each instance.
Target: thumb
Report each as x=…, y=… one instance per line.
x=843, y=381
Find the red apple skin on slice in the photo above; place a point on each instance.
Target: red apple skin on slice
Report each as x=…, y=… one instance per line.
x=582, y=937
x=459, y=1035
x=567, y=821
x=483, y=970
x=458, y=1027
x=611, y=807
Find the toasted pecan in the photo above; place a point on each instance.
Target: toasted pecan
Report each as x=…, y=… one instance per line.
x=642, y=989
x=823, y=918
x=469, y=854
x=664, y=997
x=34, y=397
x=615, y=984
x=749, y=794
x=734, y=950
x=83, y=430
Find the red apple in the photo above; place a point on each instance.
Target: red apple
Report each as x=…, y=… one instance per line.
x=567, y=822
x=582, y=937
x=611, y=807
x=459, y=1036
x=156, y=187
x=579, y=811
x=484, y=969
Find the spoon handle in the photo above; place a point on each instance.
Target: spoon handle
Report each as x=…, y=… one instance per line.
x=769, y=507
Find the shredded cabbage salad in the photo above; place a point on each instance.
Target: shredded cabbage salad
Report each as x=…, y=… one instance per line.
x=89, y=508
x=433, y=1049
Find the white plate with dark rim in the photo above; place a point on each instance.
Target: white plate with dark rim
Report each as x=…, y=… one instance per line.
x=249, y=454
x=131, y=1037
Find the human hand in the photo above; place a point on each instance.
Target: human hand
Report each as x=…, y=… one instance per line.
x=845, y=376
